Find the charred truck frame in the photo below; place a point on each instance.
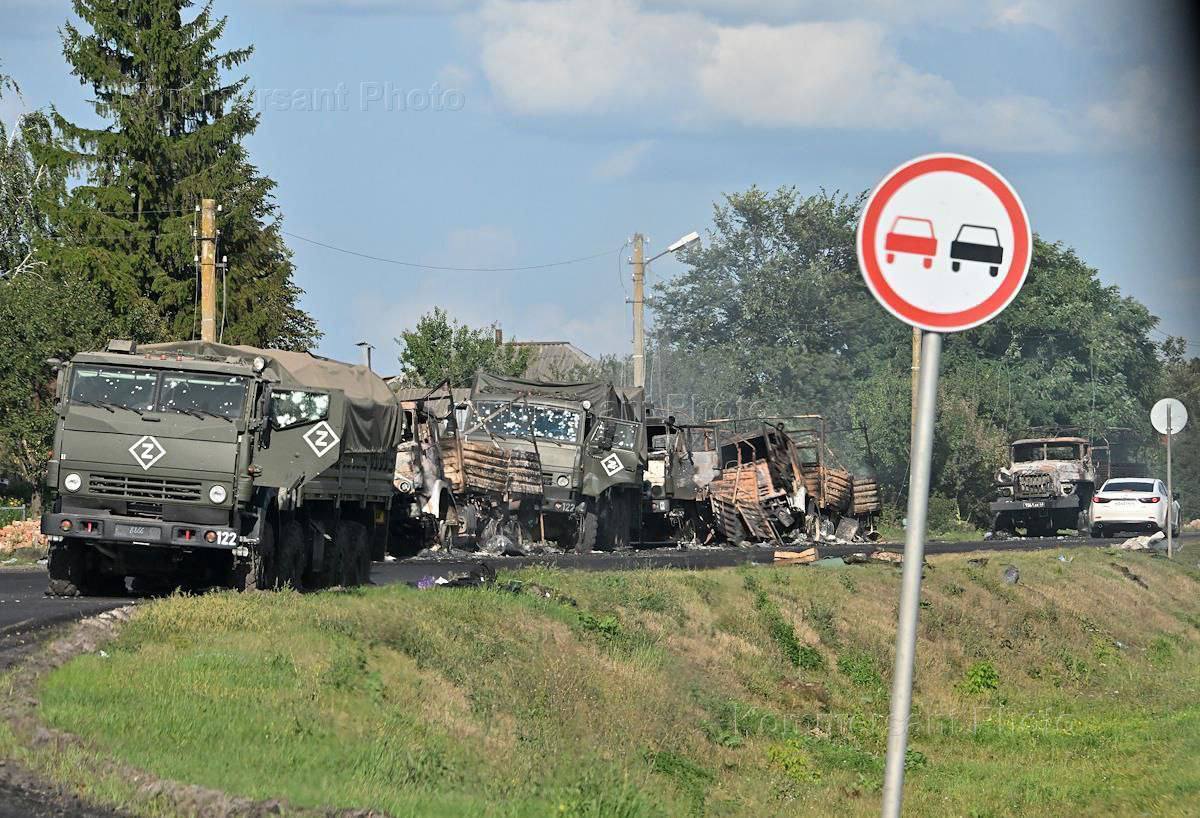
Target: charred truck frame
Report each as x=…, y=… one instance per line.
x=1046, y=487
x=547, y=461
x=202, y=464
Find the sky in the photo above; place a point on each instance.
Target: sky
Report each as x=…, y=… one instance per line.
x=509, y=133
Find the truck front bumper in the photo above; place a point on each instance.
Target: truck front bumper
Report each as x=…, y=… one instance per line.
x=111, y=528
x=1046, y=503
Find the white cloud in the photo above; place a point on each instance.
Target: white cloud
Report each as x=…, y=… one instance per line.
x=624, y=162
x=604, y=57
x=1141, y=113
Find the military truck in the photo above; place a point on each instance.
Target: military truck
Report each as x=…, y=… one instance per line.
x=1046, y=487
x=198, y=464
x=681, y=461
x=560, y=462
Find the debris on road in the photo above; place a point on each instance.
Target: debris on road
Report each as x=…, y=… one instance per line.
x=808, y=555
x=1144, y=543
x=477, y=577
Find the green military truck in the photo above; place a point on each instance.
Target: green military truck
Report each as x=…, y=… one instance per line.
x=198, y=464
x=535, y=461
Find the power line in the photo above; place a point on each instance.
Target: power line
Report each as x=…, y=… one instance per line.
x=443, y=267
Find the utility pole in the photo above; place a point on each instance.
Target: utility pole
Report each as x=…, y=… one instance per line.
x=916, y=375
x=208, y=270
x=639, y=310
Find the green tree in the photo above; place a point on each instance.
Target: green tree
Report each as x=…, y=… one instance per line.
x=773, y=318
x=173, y=133
x=441, y=349
x=1182, y=381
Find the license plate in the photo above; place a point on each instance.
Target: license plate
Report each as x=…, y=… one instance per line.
x=1034, y=504
x=139, y=532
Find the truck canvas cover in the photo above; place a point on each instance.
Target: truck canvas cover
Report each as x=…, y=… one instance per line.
x=605, y=400
x=373, y=418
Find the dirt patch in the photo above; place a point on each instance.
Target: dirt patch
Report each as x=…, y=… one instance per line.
x=31, y=795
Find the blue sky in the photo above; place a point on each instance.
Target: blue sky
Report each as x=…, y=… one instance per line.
x=519, y=132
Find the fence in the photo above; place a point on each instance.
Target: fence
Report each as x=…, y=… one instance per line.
x=12, y=514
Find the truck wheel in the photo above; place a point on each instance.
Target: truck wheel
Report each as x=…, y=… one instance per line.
x=293, y=555
x=67, y=566
x=336, y=551
x=585, y=533
x=361, y=552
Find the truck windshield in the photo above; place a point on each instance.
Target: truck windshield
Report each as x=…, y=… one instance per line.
x=517, y=419
x=220, y=395
x=115, y=386
x=145, y=390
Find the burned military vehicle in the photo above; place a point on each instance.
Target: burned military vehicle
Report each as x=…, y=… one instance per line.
x=777, y=480
x=1046, y=488
x=537, y=461
x=681, y=461
x=202, y=464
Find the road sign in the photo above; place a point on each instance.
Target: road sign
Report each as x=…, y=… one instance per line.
x=944, y=246
x=1169, y=416
x=944, y=243
x=1169, y=407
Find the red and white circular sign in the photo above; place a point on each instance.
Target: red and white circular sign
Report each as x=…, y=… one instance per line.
x=944, y=243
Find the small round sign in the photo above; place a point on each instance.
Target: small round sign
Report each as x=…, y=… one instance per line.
x=944, y=243
x=1178, y=416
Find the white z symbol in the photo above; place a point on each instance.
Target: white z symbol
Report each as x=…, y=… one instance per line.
x=321, y=438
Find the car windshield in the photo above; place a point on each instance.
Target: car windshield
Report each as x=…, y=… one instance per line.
x=1062, y=451
x=145, y=390
x=221, y=395
x=1128, y=485
x=517, y=419
x=114, y=387
x=912, y=227
x=971, y=234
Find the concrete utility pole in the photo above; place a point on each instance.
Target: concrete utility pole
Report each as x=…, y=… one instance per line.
x=208, y=270
x=639, y=310
x=916, y=376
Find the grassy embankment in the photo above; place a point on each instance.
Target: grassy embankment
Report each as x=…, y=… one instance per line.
x=736, y=692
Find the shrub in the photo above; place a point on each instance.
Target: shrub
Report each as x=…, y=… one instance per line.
x=980, y=677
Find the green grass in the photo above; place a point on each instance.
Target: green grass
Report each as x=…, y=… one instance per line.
x=739, y=692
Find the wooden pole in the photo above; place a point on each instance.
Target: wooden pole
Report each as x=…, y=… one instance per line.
x=639, y=310
x=208, y=270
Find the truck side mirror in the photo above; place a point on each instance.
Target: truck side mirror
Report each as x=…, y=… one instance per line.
x=264, y=415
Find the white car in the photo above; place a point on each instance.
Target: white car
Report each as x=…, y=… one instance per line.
x=1133, y=504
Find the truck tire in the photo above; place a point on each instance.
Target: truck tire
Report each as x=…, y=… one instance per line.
x=292, y=557
x=67, y=567
x=256, y=574
x=333, y=569
x=585, y=532
x=361, y=556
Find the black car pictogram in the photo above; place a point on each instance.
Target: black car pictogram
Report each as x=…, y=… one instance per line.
x=980, y=244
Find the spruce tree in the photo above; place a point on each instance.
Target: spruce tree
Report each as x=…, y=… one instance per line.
x=174, y=133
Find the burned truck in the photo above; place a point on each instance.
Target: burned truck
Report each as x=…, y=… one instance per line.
x=1046, y=488
x=681, y=461
x=540, y=461
x=777, y=480
x=197, y=464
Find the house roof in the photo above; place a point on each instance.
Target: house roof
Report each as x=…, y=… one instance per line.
x=554, y=360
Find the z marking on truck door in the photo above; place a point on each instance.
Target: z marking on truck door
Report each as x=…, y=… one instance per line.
x=321, y=438
x=147, y=452
x=612, y=464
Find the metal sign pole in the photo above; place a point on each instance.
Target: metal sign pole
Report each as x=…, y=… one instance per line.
x=910, y=591
x=1170, y=489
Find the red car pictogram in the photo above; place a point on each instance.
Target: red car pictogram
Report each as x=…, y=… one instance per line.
x=911, y=235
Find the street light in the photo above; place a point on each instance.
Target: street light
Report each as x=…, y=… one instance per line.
x=639, y=297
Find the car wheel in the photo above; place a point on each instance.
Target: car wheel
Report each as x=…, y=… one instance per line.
x=955, y=266
x=891, y=257
x=1097, y=533
x=927, y=263
x=995, y=271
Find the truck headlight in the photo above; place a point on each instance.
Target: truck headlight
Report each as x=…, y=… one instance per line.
x=72, y=482
x=217, y=494
x=562, y=481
